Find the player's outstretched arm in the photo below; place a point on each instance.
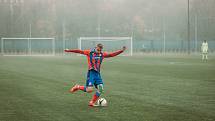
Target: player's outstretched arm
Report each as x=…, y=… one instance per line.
x=107, y=55
x=76, y=51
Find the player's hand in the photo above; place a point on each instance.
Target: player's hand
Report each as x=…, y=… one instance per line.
x=66, y=50
x=124, y=48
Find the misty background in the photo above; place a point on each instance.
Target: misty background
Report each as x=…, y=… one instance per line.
x=153, y=24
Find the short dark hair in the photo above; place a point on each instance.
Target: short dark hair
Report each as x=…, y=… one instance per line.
x=100, y=45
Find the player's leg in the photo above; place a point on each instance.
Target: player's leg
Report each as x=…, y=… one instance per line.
x=87, y=88
x=99, y=91
x=206, y=56
x=79, y=87
x=90, y=82
x=99, y=88
x=74, y=88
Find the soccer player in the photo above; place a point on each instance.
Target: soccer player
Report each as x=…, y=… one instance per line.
x=204, y=49
x=95, y=57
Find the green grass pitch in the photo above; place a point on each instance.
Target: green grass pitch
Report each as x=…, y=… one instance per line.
x=142, y=88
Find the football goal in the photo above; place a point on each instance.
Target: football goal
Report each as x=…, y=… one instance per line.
x=27, y=46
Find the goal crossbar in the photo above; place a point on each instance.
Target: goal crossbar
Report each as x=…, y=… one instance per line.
x=106, y=39
x=26, y=38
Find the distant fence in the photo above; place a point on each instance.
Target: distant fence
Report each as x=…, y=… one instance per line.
x=139, y=46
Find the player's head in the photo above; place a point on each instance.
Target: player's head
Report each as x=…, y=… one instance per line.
x=99, y=47
x=205, y=41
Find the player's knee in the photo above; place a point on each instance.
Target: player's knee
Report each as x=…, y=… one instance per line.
x=89, y=89
x=100, y=89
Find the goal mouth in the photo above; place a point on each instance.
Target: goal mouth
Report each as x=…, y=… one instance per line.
x=28, y=46
x=110, y=44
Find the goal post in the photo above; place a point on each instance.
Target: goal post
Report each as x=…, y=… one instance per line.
x=27, y=46
x=110, y=43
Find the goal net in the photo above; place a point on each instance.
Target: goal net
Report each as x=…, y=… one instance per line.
x=28, y=46
x=110, y=43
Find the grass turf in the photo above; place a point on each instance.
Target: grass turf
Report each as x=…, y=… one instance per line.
x=136, y=88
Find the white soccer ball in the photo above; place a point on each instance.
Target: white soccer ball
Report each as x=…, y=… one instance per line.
x=102, y=102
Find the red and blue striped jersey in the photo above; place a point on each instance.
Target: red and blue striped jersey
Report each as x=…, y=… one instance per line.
x=95, y=59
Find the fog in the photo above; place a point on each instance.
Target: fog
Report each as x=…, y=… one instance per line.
x=149, y=22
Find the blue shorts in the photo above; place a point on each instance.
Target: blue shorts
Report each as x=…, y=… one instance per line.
x=93, y=78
